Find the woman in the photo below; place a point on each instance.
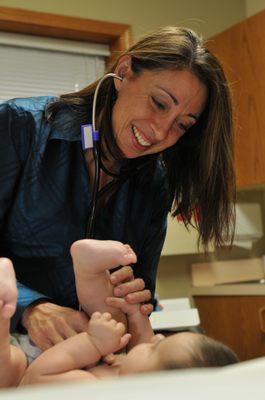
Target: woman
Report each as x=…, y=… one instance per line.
x=165, y=129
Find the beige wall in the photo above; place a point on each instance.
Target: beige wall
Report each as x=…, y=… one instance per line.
x=254, y=6
x=205, y=16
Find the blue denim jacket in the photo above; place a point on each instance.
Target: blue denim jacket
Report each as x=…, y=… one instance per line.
x=44, y=205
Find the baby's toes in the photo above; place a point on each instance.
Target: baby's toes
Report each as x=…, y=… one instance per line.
x=130, y=254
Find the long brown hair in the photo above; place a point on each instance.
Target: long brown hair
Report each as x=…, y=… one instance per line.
x=199, y=166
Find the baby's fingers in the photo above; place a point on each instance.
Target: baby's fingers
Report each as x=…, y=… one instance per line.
x=124, y=340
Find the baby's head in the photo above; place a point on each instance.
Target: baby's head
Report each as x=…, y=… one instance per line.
x=181, y=350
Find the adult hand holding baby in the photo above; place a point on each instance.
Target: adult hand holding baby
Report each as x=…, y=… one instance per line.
x=131, y=289
x=48, y=323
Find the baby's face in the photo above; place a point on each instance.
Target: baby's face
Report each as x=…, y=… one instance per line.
x=148, y=357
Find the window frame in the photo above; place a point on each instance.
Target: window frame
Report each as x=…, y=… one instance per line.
x=117, y=36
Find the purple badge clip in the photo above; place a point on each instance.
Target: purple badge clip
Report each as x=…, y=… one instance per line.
x=88, y=136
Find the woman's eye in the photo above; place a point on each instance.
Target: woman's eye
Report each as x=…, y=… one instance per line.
x=158, y=104
x=183, y=127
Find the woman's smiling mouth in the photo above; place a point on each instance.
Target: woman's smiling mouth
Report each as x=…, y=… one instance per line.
x=139, y=137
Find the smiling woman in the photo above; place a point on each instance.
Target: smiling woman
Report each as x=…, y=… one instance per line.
x=165, y=131
x=173, y=81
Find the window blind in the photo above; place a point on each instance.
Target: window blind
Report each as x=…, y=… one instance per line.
x=35, y=66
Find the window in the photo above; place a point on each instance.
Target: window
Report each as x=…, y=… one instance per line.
x=36, y=66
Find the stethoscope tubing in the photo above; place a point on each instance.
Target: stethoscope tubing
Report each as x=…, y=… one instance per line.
x=97, y=161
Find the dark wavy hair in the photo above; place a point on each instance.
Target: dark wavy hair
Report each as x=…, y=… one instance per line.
x=200, y=352
x=199, y=166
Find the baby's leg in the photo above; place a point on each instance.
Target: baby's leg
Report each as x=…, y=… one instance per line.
x=91, y=260
x=8, y=288
x=12, y=359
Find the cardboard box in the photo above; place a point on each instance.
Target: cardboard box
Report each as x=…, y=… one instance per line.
x=221, y=272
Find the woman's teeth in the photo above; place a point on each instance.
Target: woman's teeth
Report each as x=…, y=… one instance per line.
x=139, y=138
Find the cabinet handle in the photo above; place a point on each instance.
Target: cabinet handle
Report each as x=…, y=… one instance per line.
x=261, y=319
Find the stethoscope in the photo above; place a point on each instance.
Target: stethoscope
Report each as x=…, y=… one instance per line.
x=91, y=139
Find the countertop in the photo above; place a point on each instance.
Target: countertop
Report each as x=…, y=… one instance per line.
x=245, y=289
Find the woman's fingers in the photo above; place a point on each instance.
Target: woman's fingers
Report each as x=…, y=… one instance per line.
x=54, y=336
x=138, y=297
x=134, y=286
x=130, y=289
x=48, y=323
x=122, y=275
x=115, y=302
x=146, y=309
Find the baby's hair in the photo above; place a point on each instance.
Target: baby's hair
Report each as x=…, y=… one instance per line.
x=213, y=353
x=204, y=352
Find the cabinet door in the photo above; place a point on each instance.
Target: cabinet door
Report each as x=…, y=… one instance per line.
x=241, y=49
x=237, y=321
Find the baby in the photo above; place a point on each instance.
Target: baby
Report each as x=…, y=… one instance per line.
x=79, y=357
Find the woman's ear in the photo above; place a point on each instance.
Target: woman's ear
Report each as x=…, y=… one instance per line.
x=123, y=69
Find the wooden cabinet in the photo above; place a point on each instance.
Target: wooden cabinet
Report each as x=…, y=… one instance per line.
x=241, y=49
x=238, y=321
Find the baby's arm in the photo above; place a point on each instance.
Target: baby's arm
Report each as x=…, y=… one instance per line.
x=138, y=324
x=65, y=360
x=12, y=360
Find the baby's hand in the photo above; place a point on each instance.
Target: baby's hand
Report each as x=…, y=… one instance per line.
x=8, y=288
x=107, y=334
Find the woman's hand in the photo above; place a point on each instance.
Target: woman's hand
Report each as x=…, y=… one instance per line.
x=132, y=290
x=48, y=323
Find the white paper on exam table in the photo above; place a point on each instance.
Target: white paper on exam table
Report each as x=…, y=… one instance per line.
x=181, y=303
x=175, y=319
x=176, y=314
x=242, y=381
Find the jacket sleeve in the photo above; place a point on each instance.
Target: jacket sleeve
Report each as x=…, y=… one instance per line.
x=15, y=143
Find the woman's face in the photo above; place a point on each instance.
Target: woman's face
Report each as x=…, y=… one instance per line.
x=154, y=109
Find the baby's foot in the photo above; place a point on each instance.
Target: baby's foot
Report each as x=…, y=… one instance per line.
x=8, y=289
x=97, y=256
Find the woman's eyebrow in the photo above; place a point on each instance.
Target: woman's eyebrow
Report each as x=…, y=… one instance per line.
x=176, y=102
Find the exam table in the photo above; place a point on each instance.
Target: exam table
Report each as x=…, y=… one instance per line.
x=243, y=381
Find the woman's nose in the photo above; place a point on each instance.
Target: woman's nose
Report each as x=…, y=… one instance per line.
x=162, y=126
